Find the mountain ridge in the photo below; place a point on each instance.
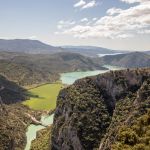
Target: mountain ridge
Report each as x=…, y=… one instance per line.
x=36, y=46
x=10, y=92
x=128, y=60
x=88, y=112
x=27, y=46
x=27, y=69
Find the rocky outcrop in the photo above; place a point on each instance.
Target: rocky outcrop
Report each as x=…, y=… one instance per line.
x=13, y=125
x=86, y=111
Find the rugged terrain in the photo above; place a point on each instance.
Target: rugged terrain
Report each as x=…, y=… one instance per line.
x=38, y=47
x=27, y=46
x=108, y=111
x=128, y=60
x=91, y=51
x=10, y=92
x=13, y=123
x=28, y=69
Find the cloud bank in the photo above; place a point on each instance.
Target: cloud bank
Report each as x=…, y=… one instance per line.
x=117, y=23
x=85, y=5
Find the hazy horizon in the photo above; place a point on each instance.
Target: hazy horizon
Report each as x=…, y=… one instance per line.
x=134, y=50
x=112, y=24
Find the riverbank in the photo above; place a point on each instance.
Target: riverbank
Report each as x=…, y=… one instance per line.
x=47, y=96
x=70, y=77
x=32, y=129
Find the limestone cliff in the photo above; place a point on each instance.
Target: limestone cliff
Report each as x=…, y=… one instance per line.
x=90, y=112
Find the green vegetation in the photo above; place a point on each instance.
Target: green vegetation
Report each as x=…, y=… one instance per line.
x=10, y=92
x=130, y=126
x=13, y=124
x=128, y=60
x=44, y=97
x=42, y=141
x=108, y=110
x=29, y=69
x=134, y=133
x=135, y=136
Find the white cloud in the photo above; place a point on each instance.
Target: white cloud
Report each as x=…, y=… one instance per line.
x=84, y=20
x=59, y=26
x=133, y=1
x=147, y=31
x=89, y=5
x=114, y=11
x=94, y=19
x=80, y=3
x=85, y=5
x=64, y=24
x=118, y=23
x=124, y=36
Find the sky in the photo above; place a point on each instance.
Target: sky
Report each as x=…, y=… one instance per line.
x=115, y=24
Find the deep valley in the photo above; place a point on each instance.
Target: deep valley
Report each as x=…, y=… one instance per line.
x=69, y=101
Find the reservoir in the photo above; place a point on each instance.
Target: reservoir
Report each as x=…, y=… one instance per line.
x=66, y=78
x=70, y=77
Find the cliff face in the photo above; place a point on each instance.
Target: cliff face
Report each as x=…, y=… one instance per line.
x=13, y=125
x=90, y=112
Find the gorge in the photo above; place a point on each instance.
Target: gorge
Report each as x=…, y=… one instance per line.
x=93, y=110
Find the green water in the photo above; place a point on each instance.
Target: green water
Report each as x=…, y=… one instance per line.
x=71, y=77
x=32, y=129
x=67, y=78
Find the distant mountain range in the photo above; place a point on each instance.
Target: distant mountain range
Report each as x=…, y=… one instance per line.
x=37, y=47
x=147, y=52
x=91, y=51
x=128, y=60
x=29, y=62
x=27, y=46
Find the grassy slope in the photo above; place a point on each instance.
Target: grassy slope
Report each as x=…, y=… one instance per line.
x=47, y=95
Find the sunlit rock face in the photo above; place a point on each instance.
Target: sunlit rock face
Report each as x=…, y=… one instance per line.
x=86, y=109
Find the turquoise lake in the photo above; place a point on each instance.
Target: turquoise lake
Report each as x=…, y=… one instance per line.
x=71, y=77
x=66, y=78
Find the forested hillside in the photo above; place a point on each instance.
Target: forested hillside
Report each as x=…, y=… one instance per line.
x=108, y=111
x=28, y=69
x=128, y=60
x=10, y=92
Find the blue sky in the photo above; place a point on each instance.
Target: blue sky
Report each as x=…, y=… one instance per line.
x=116, y=24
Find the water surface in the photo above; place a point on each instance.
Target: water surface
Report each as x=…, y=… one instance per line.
x=102, y=55
x=32, y=129
x=67, y=78
x=71, y=77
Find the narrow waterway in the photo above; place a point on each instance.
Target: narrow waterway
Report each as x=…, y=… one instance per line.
x=66, y=78
x=32, y=129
